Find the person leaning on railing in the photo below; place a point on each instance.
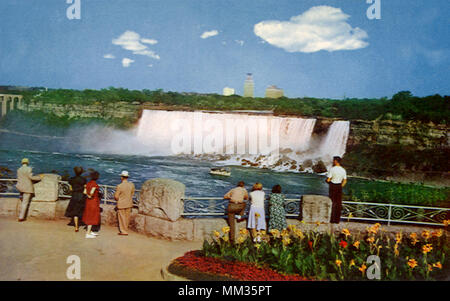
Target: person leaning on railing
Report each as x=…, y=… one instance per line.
x=236, y=206
x=25, y=181
x=124, y=197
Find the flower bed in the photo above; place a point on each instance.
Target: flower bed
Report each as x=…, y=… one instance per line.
x=194, y=266
x=343, y=256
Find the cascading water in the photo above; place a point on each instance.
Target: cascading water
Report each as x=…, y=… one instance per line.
x=232, y=138
x=336, y=140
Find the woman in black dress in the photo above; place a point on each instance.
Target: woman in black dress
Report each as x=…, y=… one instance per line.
x=78, y=199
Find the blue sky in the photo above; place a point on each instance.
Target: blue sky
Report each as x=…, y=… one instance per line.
x=308, y=48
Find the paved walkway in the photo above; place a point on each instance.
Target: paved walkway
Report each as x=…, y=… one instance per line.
x=38, y=250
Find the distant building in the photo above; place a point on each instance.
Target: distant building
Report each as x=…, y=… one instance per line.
x=274, y=92
x=249, y=86
x=228, y=91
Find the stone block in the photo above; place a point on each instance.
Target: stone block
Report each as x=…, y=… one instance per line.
x=162, y=198
x=182, y=229
x=47, y=189
x=9, y=206
x=316, y=208
x=42, y=210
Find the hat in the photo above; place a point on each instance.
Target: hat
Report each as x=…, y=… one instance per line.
x=124, y=174
x=25, y=161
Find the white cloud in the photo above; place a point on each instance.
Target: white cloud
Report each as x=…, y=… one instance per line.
x=208, y=34
x=150, y=65
x=240, y=42
x=319, y=28
x=149, y=41
x=132, y=41
x=126, y=62
x=109, y=56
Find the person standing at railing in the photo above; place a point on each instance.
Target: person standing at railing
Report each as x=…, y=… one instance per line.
x=124, y=197
x=337, y=179
x=277, y=214
x=257, y=214
x=24, y=185
x=236, y=206
x=91, y=213
x=78, y=200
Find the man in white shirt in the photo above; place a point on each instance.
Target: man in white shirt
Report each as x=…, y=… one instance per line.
x=337, y=178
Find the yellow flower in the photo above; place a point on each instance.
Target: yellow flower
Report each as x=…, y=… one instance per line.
x=263, y=232
x=275, y=233
x=216, y=234
x=398, y=237
x=257, y=246
x=302, y=221
x=225, y=238
x=363, y=268
x=346, y=232
x=437, y=265
x=396, y=251
x=292, y=228
x=371, y=239
x=446, y=222
x=338, y=262
x=374, y=228
x=426, y=234
x=427, y=248
x=412, y=263
x=430, y=268
x=286, y=241
x=437, y=233
x=243, y=231
x=356, y=244
x=241, y=239
x=352, y=262
x=226, y=229
x=299, y=233
x=257, y=215
x=284, y=233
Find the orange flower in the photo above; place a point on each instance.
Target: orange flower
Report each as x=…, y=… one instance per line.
x=446, y=222
x=371, y=239
x=427, y=248
x=363, y=268
x=396, y=251
x=352, y=262
x=426, y=234
x=414, y=239
x=398, y=237
x=356, y=244
x=257, y=215
x=412, y=263
x=437, y=233
x=346, y=232
x=437, y=265
x=338, y=262
x=430, y=268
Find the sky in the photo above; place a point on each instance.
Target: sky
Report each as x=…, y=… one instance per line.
x=313, y=48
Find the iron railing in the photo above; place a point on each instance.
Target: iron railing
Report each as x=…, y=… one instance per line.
x=351, y=211
x=7, y=188
x=216, y=207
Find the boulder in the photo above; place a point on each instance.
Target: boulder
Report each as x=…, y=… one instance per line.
x=316, y=208
x=162, y=198
x=47, y=189
x=183, y=229
x=319, y=167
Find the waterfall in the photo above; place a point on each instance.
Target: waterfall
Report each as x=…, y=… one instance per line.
x=232, y=138
x=335, y=141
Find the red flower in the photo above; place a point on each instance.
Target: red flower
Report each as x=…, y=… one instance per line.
x=235, y=270
x=310, y=243
x=343, y=244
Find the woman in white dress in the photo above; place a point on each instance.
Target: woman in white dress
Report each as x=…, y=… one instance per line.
x=256, y=215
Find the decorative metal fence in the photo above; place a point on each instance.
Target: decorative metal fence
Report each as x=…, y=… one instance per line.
x=7, y=188
x=351, y=211
x=216, y=207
